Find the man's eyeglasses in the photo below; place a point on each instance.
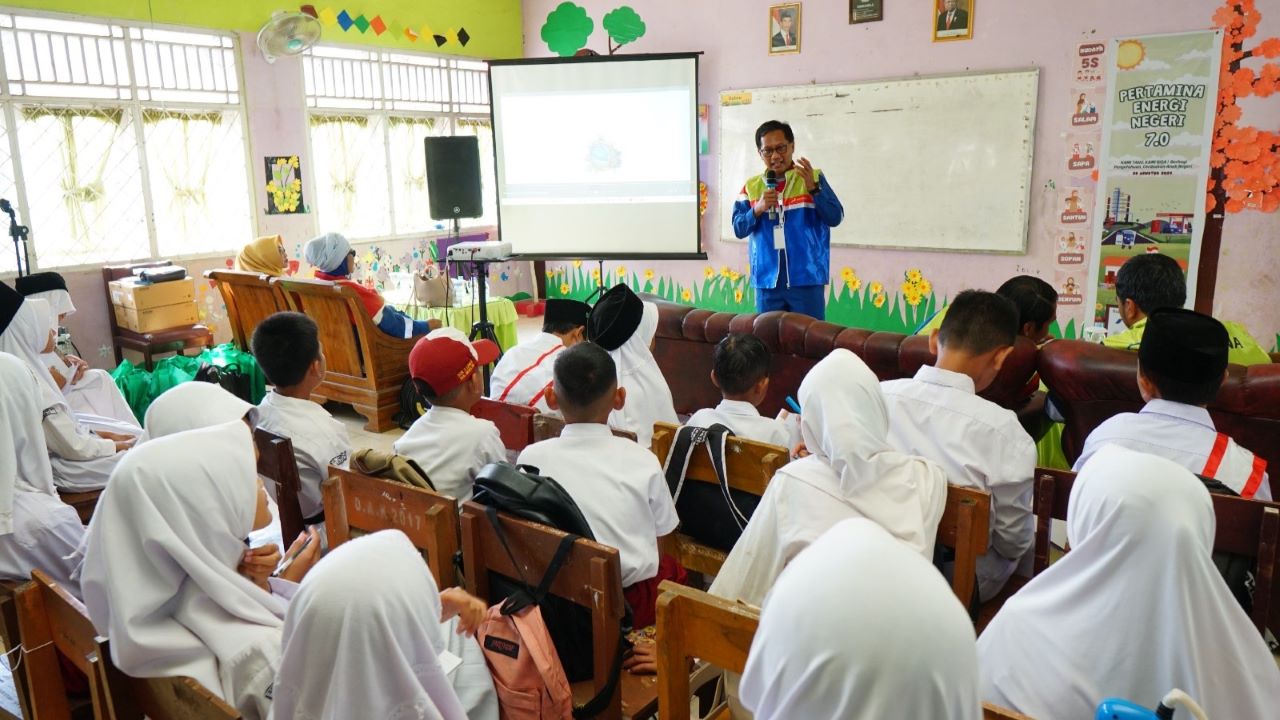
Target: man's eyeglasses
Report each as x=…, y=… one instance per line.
x=780, y=150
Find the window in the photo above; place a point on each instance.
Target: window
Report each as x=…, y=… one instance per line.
x=121, y=142
x=370, y=112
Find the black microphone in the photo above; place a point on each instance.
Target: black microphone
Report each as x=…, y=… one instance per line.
x=771, y=182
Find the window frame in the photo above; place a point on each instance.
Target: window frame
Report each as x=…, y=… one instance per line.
x=134, y=106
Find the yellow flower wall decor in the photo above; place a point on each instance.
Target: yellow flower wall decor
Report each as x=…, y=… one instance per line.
x=284, y=185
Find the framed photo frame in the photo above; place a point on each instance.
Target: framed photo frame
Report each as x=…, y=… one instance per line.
x=784, y=29
x=953, y=20
x=862, y=11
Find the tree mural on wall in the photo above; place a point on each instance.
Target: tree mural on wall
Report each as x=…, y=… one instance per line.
x=568, y=28
x=1245, y=159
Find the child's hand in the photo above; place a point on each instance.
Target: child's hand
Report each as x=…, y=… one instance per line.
x=307, y=558
x=643, y=659
x=799, y=451
x=258, y=563
x=469, y=609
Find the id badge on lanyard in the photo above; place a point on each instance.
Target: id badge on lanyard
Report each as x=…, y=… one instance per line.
x=779, y=237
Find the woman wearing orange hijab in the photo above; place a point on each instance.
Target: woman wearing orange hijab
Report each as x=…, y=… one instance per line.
x=265, y=255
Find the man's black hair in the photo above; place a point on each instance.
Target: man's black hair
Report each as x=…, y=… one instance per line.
x=285, y=345
x=584, y=373
x=1152, y=281
x=741, y=360
x=774, y=126
x=978, y=322
x=1035, y=299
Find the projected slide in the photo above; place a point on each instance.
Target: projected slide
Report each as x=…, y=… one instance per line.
x=597, y=158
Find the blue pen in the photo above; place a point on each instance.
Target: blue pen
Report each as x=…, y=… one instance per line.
x=794, y=405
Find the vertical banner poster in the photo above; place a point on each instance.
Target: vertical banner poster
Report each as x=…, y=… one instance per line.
x=1154, y=163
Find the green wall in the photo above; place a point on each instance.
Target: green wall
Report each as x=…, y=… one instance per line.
x=493, y=26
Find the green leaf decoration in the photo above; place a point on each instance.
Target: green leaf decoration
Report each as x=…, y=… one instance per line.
x=624, y=25
x=567, y=29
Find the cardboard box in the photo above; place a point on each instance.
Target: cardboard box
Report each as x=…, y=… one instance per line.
x=156, y=318
x=130, y=293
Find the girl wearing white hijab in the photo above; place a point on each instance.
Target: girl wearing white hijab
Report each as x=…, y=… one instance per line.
x=1136, y=608
x=373, y=610
x=37, y=530
x=859, y=626
x=852, y=472
x=623, y=324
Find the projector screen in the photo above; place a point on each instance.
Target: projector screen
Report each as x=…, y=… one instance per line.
x=597, y=157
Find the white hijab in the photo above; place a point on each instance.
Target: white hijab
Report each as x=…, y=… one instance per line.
x=859, y=626
x=59, y=300
x=159, y=574
x=648, y=395
x=1136, y=608
x=26, y=338
x=372, y=610
x=24, y=461
x=192, y=405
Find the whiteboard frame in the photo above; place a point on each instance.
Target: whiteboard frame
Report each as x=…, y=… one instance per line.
x=726, y=234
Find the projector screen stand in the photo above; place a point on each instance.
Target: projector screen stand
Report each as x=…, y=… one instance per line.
x=600, y=287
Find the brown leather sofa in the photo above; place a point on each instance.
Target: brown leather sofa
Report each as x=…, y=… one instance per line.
x=687, y=337
x=1090, y=383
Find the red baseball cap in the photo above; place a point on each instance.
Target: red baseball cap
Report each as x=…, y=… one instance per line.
x=445, y=358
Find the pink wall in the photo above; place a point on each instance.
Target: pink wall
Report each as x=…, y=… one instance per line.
x=1009, y=34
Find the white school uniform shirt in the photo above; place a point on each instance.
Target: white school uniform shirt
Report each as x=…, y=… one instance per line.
x=745, y=421
x=526, y=370
x=452, y=446
x=980, y=445
x=852, y=472
x=318, y=442
x=618, y=485
x=37, y=530
x=1186, y=435
x=1135, y=609
x=859, y=627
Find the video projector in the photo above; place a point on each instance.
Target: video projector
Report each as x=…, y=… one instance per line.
x=479, y=251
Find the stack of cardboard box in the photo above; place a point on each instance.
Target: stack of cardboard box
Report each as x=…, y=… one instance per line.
x=144, y=307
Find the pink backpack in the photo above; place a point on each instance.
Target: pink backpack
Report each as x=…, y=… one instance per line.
x=526, y=671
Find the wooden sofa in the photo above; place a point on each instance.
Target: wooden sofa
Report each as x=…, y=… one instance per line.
x=250, y=298
x=365, y=367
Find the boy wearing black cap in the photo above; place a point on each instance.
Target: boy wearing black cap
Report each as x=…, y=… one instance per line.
x=625, y=326
x=524, y=373
x=1182, y=362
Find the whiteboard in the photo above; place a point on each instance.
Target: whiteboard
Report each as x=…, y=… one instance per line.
x=930, y=163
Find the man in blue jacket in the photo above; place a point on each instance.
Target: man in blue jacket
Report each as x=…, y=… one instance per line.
x=789, y=221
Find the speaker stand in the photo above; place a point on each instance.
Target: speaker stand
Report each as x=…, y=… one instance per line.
x=483, y=328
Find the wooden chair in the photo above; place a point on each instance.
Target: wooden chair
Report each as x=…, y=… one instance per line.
x=83, y=502
x=250, y=298
x=965, y=528
x=749, y=466
x=995, y=712
x=693, y=624
x=177, y=339
x=591, y=577
x=356, y=504
x=515, y=422
x=54, y=623
x=1053, y=490
x=277, y=463
x=11, y=637
x=547, y=426
x=167, y=698
x=366, y=368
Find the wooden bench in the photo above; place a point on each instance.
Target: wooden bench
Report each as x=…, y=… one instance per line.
x=167, y=698
x=178, y=339
x=250, y=298
x=356, y=504
x=515, y=422
x=749, y=466
x=277, y=463
x=591, y=577
x=83, y=502
x=53, y=623
x=995, y=712
x=693, y=624
x=11, y=637
x=965, y=528
x=547, y=426
x=1243, y=527
x=365, y=367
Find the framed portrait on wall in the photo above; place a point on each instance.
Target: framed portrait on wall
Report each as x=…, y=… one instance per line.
x=861, y=11
x=784, y=29
x=953, y=20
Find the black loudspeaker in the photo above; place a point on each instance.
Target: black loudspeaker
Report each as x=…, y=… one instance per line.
x=453, y=177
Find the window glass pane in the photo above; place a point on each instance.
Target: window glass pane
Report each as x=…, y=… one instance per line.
x=488, y=183
x=409, y=170
x=350, y=161
x=84, y=184
x=199, y=187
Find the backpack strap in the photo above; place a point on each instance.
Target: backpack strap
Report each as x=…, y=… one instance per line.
x=677, y=462
x=717, y=441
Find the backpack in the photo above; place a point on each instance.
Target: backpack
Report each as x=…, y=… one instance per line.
x=709, y=515
x=390, y=466
x=412, y=405
x=523, y=493
x=1237, y=570
x=230, y=379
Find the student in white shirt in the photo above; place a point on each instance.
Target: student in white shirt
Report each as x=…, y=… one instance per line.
x=938, y=414
x=626, y=326
x=741, y=371
x=37, y=530
x=1136, y=609
x=1182, y=361
x=618, y=485
x=448, y=442
x=287, y=347
x=859, y=627
x=373, y=611
x=524, y=373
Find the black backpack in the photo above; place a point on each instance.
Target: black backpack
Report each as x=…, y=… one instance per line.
x=526, y=494
x=412, y=405
x=228, y=378
x=710, y=515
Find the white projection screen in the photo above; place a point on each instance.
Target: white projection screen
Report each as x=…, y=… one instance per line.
x=597, y=157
